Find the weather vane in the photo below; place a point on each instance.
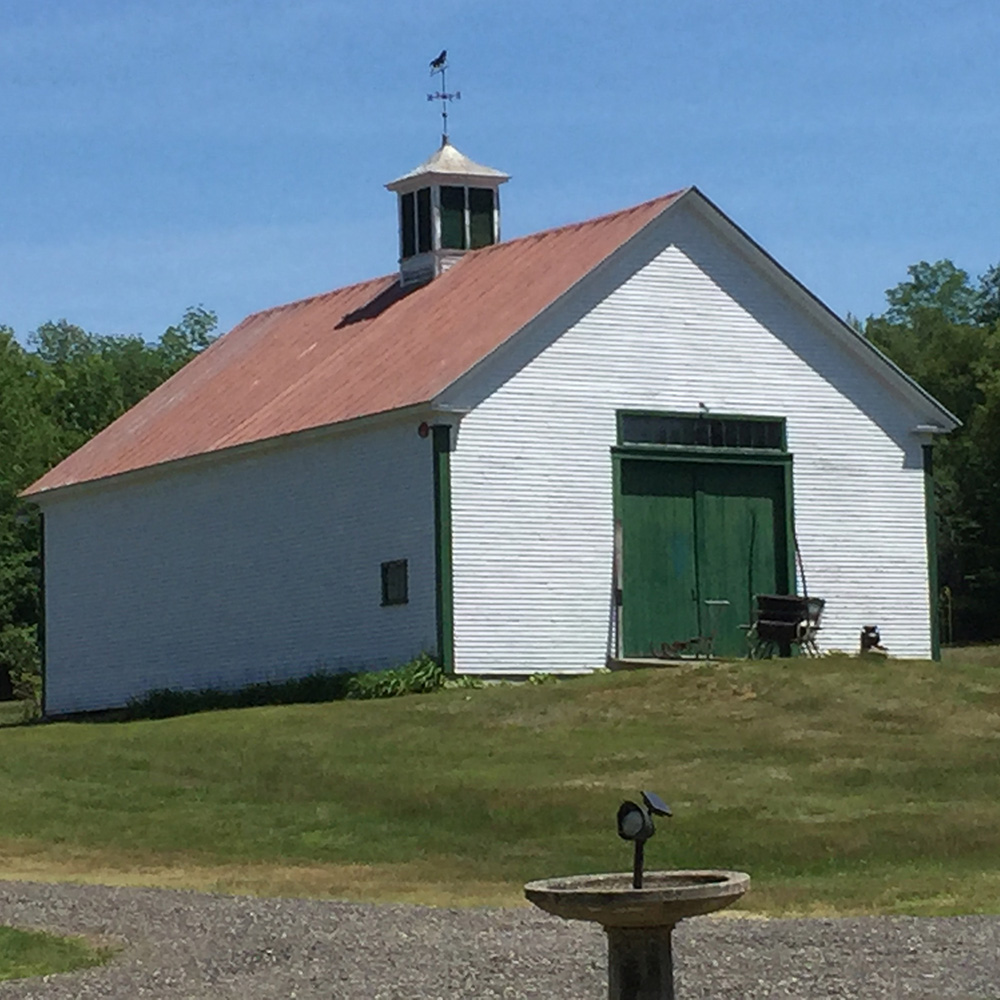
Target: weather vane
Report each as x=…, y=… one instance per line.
x=439, y=65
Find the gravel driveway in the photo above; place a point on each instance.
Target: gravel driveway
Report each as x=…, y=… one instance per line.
x=189, y=945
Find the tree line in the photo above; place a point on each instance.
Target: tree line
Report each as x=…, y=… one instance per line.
x=55, y=394
x=940, y=326
x=943, y=329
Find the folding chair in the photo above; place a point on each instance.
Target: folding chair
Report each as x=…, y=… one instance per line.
x=783, y=621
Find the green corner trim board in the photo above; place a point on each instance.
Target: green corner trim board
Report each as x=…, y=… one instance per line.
x=42, y=643
x=932, y=558
x=443, y=590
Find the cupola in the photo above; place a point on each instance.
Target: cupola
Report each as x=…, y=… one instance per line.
x=447, y=205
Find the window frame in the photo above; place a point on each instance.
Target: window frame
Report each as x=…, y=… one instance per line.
x=424, y=220
x=391, y=596
x=780, y=422
x=408, y=225
x=491, y=215
x=463, y=220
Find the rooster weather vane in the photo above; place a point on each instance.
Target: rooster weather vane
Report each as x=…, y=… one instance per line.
x=439, y=65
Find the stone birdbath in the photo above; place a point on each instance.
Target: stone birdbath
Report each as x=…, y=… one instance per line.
x=638, y=910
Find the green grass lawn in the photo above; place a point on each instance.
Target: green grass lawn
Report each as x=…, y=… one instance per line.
x=35, y=953
x=841, y=785
x=13, y=713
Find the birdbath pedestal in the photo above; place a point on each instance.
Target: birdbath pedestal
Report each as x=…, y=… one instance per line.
x=639, y=922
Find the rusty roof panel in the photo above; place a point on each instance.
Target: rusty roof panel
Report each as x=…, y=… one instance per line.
x=360, y=350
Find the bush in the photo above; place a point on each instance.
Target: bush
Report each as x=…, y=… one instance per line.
x=420, y=675
x=19, y=656
x=465, y=681
x=542, y=678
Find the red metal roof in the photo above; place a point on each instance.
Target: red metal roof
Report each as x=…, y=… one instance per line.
x=357, y=351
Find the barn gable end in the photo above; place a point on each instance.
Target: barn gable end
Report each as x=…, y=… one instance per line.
x=681, y=321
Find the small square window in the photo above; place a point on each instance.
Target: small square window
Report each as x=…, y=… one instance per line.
x=394, y=582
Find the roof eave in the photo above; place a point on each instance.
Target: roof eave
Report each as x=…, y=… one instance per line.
x=413, y=181
x=303, y=436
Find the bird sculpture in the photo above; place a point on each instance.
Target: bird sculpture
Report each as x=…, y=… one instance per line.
x=438, y=64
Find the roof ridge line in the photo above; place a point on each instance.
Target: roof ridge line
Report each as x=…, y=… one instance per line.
x=565, y=227
x=382, y=355
x=318, y=295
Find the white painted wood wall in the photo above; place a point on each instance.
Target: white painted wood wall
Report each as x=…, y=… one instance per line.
x=244, y=568
x=697, y=322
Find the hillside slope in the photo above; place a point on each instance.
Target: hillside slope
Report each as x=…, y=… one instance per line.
x=840, y=785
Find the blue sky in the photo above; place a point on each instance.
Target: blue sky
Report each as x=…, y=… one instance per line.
x=232, y=152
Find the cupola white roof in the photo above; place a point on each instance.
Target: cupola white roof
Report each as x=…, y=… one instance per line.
x=447, y=206
x=448, y=164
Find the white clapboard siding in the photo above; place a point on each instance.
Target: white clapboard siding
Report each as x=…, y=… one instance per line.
x=241, y=569
x=698, y=323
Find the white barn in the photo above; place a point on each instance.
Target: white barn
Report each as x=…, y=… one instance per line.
x=536, y=455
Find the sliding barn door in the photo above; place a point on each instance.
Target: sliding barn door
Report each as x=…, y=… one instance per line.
x=698, y=540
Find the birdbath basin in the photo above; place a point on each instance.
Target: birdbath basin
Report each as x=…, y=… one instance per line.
x=664, y=899
x=639, y=922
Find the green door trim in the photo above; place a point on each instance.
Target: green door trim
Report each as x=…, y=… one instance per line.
x=713, y=456
x=688, y=453
x=444, y=594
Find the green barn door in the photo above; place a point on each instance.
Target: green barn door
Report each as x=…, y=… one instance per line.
x=698, y=540
x=659, y=585
x=740, y=550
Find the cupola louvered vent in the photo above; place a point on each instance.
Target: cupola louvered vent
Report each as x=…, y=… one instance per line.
x=447, y=206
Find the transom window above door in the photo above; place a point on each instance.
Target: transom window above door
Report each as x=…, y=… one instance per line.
x=701, y=430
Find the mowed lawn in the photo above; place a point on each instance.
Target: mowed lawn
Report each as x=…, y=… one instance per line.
x=841, y=785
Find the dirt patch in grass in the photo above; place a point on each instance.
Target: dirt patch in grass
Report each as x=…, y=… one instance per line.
x=415, y=882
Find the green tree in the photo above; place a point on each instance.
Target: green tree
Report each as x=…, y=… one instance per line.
x=55, y=396
x=100, y=377
x=988, y=306
x=196, y=330
x=944, y=331
x=941, y=287
x=30, y=441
